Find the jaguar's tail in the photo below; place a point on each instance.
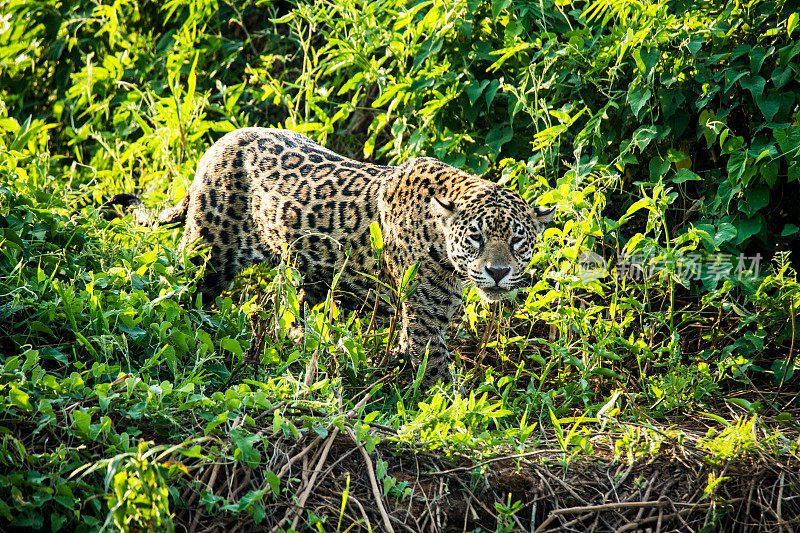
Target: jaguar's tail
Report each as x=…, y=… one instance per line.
x=171, y=216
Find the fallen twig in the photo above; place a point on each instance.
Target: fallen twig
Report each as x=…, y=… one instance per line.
x=309, y=486
x=373, y=481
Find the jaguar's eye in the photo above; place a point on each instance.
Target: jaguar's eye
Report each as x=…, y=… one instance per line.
x=476, y=240
x=516, y=241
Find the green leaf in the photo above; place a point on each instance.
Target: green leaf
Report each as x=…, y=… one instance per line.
x=737, y=163
x=134, y=333
x=86, y=344
x=19, y=398
x=649, y=58
x=376, y=239
x=639, y=204
x=168, y=353
x=81, y=422
x=474, y=90
x=408, y=276
x=490, y=92
x=731, y=76
x=57, y=521
x=646, y=59
x=769, y=172
x=194, y=451
x=741, y=402
x=11, y=364
x=606, y=373
x=431, y=45
x=725, y=232
x=498, y=6
x=791, y=24
x=779, y=366
x=284, y=19
x=788, y=139
x=250, y=498
x=137, y=410
x=244, y=442
x=769, y=105
x=277, y=422
x=274, y=482
x=672, y=102
x=53, y=354
x=716, y=418
x=755, y=199
x=643, y=136
x=781, y=76
x=498, y=136
x=754, y=84
x=25, y=133
x=748, y=227
x=637, y=98
x=232, y=345
x=789, y=229
x=694, y=44
x=559, y=432
x=788, y=52
x=658, y=167
x=757, y=55
x=684, y=174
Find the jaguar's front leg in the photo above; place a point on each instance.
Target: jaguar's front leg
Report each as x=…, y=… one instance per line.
x=425, y=317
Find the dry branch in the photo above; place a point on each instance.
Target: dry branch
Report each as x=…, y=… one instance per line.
x=595, y=493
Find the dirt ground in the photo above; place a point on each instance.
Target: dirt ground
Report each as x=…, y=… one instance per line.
x=668, y=491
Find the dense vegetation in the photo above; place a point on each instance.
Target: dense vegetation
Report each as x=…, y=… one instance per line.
x=663, y=315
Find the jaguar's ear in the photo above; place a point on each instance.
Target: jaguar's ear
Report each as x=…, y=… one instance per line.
x=443, y=209
x=543, y=215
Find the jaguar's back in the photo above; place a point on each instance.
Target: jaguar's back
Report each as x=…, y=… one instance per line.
x=259, y=189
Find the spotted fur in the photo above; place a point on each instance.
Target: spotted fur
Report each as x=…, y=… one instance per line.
x=257, y=191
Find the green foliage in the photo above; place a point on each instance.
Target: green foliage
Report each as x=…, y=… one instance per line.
x=666, y=132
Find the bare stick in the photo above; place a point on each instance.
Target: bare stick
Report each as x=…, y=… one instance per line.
x=299, y=456
x=351, y=498
x=373, y=482
x=660, y=518
x=211, y=481
x=302, y=501
x=780, y=490
x=630, y=505
x=303, y=497
x=492, y=460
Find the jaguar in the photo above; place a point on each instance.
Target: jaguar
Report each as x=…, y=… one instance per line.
x=260, y=192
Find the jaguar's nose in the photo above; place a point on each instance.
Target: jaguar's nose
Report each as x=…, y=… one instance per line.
x=498, y=273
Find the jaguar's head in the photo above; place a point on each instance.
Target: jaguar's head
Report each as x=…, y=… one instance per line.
x=490, y=233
